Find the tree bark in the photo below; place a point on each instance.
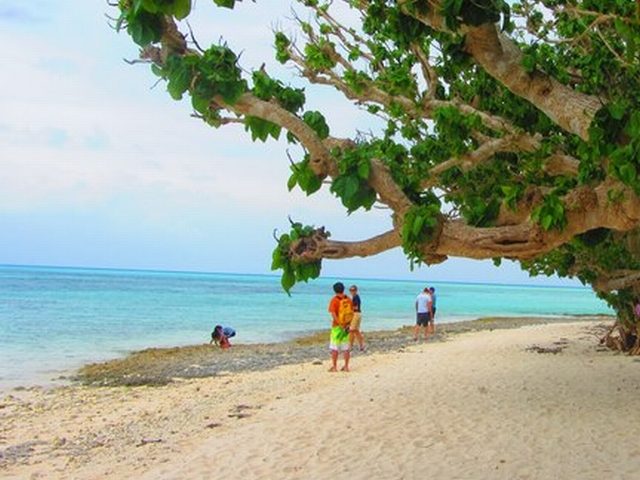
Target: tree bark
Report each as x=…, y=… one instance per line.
x=502, y=59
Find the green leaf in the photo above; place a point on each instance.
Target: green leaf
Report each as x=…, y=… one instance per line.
x=276, y=258
x=225, y=3
x=293, y=181
x=352, y=184
x=418, y=222
x=628, y=173
x=617, y=109
x=364, y=168
x=157, y=71
x=288, y=279
x=181, y=8
x=317, y=122
x=529, y=63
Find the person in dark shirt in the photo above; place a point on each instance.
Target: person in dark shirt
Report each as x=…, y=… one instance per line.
x=221, y=336
x=432, y=325
x=354, y=327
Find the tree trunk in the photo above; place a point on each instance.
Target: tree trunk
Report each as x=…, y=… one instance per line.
x=623, y=334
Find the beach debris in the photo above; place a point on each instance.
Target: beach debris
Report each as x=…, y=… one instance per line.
x=213, y=425
x=19, y=452
x=317, y=362
x=146, y=441
x=240, y=411
x=239, y=415
x=541, y=349
x=59, y=441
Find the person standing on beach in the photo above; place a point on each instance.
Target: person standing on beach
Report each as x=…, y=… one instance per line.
x=432, y=325
x=341, y=310
x=354, y=328
x=424, y=313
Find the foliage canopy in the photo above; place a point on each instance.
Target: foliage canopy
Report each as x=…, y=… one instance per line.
x=512, y=130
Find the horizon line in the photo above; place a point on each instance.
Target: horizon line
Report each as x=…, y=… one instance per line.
x=272, y=275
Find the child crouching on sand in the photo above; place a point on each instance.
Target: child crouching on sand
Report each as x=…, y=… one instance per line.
x=221, y=336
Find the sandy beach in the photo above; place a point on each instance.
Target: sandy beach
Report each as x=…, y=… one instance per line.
x=535, y=402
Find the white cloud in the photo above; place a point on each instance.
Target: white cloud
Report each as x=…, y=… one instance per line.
x=78, y=128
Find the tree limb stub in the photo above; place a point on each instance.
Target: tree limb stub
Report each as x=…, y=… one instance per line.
x=318, y=246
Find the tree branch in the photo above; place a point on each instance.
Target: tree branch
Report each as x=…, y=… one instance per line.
x=322, y=162
x=510, y=143
x=318, y=246
x=586, y=209
x=502, y=59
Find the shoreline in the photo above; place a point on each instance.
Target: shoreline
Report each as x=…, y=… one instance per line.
x=160, y=366
x=493, y=399
x=156, y=366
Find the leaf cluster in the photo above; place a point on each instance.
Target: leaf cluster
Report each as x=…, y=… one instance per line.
x=474, y=12
x=619, y=120
x=267, y=88
x=304, y=177
x=293, y=272
x=421, y=223
x=551, y=213
x=351, y=185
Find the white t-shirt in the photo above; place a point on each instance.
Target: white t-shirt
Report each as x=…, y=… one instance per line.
x=423, y=300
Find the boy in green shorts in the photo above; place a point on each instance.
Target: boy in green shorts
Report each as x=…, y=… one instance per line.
x=341, y=310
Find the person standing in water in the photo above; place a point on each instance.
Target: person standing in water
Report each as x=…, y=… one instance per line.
x=354, y=328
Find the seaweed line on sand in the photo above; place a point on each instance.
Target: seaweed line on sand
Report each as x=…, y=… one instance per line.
x=159, y=366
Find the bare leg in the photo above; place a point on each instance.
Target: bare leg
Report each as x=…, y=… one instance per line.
x=334, y=361
x=352, y=335
x=416, y=331
x=347, y=356
x=360, y=339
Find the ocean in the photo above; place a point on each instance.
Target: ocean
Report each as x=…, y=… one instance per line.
x=53, y=320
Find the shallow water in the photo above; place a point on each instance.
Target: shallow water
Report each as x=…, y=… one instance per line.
x=54, y=319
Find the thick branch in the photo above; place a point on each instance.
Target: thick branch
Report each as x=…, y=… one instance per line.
x=586, y=209
x=322, y=162
x=370, y=93
x=380, y=179
x=502, y=59
x=616, y=281
x=318, y=246
x=560, y=164
x=173, y=43
x=485, y=152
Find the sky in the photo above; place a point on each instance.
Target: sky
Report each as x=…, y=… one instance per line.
x=100, y=168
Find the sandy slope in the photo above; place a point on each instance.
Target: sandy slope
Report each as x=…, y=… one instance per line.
x=478, y=406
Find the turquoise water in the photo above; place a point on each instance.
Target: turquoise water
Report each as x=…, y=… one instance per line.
x=55, y=319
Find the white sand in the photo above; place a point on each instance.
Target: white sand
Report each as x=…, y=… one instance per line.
x=478, y=406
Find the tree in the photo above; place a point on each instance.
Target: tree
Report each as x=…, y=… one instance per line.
x=511, y=130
